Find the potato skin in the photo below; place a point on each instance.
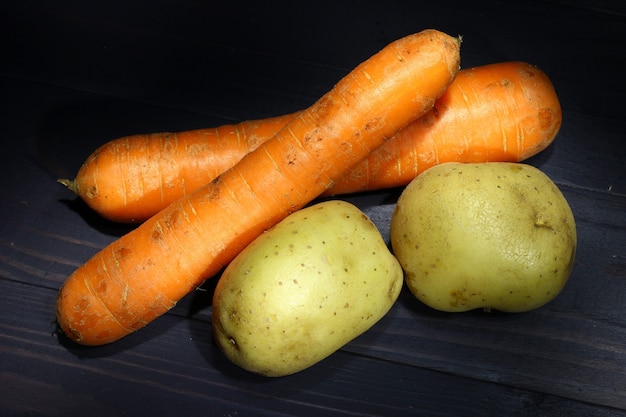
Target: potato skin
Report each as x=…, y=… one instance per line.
x=495, y=235
x=304, y=289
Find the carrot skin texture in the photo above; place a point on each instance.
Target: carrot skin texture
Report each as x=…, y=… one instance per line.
x=129, y=179
x=144, y=273
x=505, y=111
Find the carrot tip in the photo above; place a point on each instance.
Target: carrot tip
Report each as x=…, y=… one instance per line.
x=71, y=184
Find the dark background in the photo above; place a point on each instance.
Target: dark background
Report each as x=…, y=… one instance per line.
x=75, y=74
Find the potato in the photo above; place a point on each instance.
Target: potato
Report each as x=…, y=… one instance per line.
x=495, y=235
x=304, y=289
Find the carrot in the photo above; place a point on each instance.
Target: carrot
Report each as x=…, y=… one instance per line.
x=503, y=112
x=129, y=179
x=143, y=274
x=506, y=111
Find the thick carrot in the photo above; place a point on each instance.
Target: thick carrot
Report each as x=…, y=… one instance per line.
x=506, y=111
x=503, y=112
x=143, y=274
x=129, y=179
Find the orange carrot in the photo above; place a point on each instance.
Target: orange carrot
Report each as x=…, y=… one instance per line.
x=129, y=179
x=143, y=274
x=503, y=112
x=499, y=112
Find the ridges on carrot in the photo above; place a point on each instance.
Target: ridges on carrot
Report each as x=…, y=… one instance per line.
x=129, y=179
x=503, y=112
x=143, y=274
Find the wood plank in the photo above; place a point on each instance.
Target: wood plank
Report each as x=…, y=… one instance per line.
x=174, y=368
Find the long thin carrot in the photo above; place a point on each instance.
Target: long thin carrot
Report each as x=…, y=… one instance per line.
x=506, y=111
x=143, y=274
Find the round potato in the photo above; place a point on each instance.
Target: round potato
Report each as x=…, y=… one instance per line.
x=304, y=289
x=495, y=235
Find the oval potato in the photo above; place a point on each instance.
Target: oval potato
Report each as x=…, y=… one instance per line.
x=496, y=235
x=304, y=289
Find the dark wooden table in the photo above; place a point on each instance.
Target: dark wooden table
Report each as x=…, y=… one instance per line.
x=77, y=74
